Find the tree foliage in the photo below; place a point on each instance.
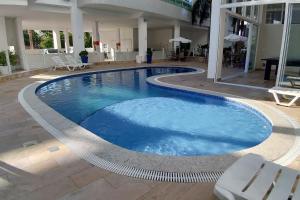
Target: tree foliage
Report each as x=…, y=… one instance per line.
x=46, y=40
x=201, y=11
x=88, y=41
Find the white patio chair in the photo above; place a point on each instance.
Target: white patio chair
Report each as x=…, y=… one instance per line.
x=294, y=93
x=59, y=63
x=254, y=178
x=73, y=61
x=295, y=81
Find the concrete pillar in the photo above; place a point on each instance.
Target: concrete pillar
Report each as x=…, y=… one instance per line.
x=56, y=39
x=30, y=33
x=176, y=34
x=67, y=42
x=3, y=40
x=119, y=40
x=216, y=40
x=96, y=35
x=142, y=32
x=77, y=28
x=21, y=44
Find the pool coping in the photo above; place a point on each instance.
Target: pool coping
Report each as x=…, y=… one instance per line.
x=280, y=147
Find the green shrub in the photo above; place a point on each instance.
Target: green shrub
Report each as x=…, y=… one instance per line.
x=2, y=58
x=149, y=52
x=13, y=59
x=83, y=53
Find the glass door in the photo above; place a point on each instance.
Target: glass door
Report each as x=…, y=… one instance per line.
x=289, y=73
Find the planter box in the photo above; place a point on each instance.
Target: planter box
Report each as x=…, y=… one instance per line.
x=4, y=70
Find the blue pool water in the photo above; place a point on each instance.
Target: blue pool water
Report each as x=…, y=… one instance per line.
x=122, y=108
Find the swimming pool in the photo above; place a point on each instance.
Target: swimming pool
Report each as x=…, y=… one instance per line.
x=122, y=108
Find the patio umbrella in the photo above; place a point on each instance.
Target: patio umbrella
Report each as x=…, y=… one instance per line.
x=235, y=38
x=180, y=39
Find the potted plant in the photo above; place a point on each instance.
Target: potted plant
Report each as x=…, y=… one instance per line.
x=4, y=69
x=84, y=56
x=149, y=55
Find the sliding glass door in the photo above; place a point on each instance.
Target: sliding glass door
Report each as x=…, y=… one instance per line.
x=289, y=69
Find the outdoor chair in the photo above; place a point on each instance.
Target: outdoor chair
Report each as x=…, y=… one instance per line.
x=295, y=81
x=293, y=92
x=59, y=63
x=254, y=178
x=71, y=60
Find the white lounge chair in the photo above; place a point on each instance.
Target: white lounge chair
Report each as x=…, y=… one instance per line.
x=73, y=61
x=59, y=63
x=295, y=81
x=295, y=93
x=254, y=178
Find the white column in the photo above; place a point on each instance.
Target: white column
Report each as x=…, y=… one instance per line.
x=142, y=26
x=119, y=39
x=77, y=28
x=30, y=32
x=216, y=40
x=176, y=34
x=21, y=44
x=56, y=39
x=3, y=40
x=67, y=42
x=96, y=35
x=249, y=42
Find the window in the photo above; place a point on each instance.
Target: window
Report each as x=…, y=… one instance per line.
x=275, y=14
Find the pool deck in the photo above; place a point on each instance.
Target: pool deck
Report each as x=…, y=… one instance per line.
x=49, y=170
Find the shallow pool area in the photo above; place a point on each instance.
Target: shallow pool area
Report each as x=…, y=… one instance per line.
x=122, y=108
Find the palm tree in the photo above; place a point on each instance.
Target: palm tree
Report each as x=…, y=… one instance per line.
x=201, y=11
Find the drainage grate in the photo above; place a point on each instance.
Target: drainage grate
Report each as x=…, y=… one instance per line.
x=30, y=143
x=178, y=177
x=53, y=149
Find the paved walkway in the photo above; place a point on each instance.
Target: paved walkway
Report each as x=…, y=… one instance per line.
x=49, y=170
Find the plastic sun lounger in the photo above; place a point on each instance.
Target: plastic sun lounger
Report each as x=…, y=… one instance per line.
x=293, y=80
x=295, y=93
x=59, y=63
x=73, y=61
x=254, y=178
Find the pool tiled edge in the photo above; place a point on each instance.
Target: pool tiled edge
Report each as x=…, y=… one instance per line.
x=164, y=168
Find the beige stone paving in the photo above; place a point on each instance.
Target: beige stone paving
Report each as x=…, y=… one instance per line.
x=35, y=172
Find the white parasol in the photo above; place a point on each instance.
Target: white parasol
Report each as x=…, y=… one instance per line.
x=235, y=38
x=180, y=39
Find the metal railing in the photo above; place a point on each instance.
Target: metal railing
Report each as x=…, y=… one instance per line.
x=180, y=3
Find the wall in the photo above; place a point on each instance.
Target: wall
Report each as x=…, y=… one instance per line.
x=198, y=36
x=269, y=42
x=114, y=36
x=150, y=6
x=38, y=61
x=110, y=37
x=3, y=38
x=11, y=32
x=126, y=37
x=159, y=38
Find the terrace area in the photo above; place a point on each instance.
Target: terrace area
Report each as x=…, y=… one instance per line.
x=187, y=98
x=48, y=169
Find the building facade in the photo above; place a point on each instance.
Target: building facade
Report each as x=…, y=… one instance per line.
x=120, y=30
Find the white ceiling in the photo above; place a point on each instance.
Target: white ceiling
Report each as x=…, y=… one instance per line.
x=59, y=18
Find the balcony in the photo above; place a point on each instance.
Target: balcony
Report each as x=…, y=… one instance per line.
x=181, y=3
